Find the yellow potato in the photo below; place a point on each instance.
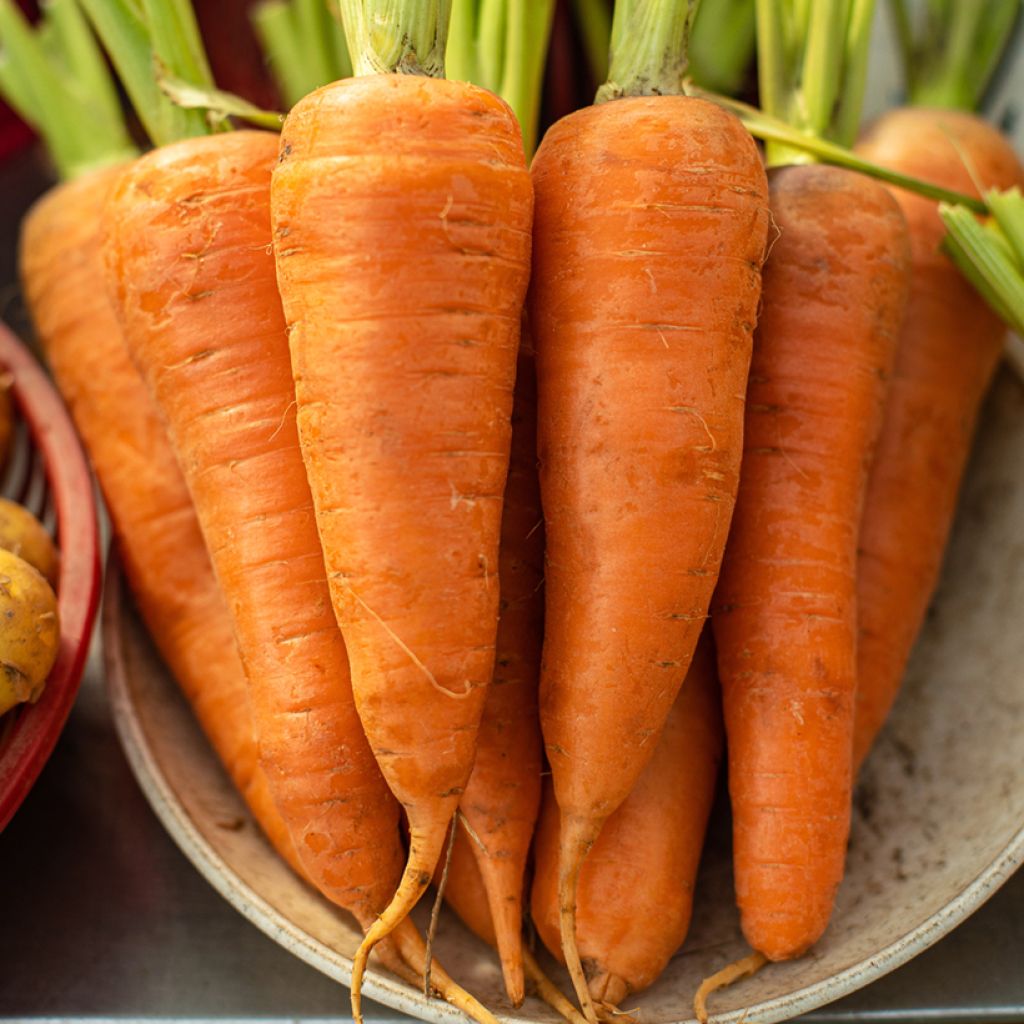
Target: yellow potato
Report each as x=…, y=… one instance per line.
x=29, y=631
x=23, y=534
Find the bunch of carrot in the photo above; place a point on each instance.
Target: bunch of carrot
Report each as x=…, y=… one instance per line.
x=427, y=467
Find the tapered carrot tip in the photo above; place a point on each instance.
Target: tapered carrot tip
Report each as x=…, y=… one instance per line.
x=547, y=990
x=608, y=992
x=576, y=838
x=747, y=967
x=414, y=950
x=414, y=883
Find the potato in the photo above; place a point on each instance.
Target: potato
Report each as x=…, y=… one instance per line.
x=30, y=631
x=23, y=534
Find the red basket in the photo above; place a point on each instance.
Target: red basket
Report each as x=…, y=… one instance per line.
x=47, y=472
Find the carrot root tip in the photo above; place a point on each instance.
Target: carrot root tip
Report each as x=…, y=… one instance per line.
x=745, y=967
x=549, y=992
x=575, y=842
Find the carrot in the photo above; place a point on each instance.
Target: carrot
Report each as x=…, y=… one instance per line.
x=651, y=221
x=63, y=282
x=636, y=885
x=784, y=615
x=467, y=894
x=162, y=550
x=499, y=807
x=402, y=211
x=785, y=609
x=192, y=279
x=948, y=350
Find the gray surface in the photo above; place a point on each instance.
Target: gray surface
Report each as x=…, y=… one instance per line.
x=103, y=917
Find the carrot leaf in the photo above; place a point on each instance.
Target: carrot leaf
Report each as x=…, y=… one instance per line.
x=593, y=18
x=397, y=36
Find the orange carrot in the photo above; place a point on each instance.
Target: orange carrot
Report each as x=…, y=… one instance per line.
x=402, y=212
x=502, y=796
x=636, y=885
x=467, y=894
x=785, y=608
x=158, y=537
x=651, y=222
x=948, y=350
x=191, y=272
x=192, y=275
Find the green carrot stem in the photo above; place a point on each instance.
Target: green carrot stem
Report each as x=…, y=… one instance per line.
x=594, y=20
x=1008, y=211
x=217, y=104
x=493, y=15
x=987, y=260
x=648, y=56
x=84, y=60
x=176, y=41
x=851, y=92
x=769, y=129
x=812, y=60
x=461, y=56
x=951, y=62
x=722, y=44
x=279, y=40
x=304, y=44
x=131, y=43
x=341, y=61
x=58, y=88
x=528, y=28
x=403, y=36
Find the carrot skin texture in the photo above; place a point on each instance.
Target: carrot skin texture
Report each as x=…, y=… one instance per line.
x=636, y=885
x=502, y=797
x=651, y=221
x=948, y=350
x=159, y=540
x=644, y=296
x=404, y=340
x=189, y=258
x=785, y=609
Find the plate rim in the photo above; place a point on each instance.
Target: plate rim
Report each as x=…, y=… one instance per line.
x=395, y=994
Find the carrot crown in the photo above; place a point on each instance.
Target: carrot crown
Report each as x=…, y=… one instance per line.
x=720, y=48
x=55, y=77
x=501, y=45
x=951, y=48
x=648, y=48
x=812, y=68
x=397, y=36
